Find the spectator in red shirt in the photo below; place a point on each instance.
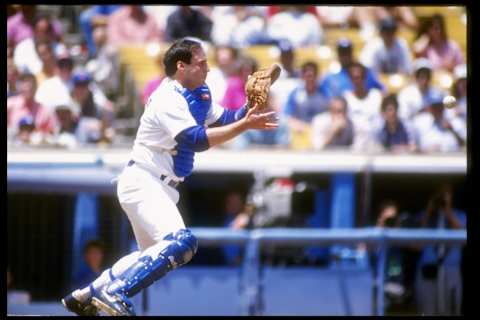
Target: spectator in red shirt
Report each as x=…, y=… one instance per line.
x=132, y=25
x=24, y=104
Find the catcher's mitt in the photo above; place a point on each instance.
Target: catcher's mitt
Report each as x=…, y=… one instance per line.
x=258, y=85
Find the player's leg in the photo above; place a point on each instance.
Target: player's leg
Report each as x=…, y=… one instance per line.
x=165, y=243
x=79, y=301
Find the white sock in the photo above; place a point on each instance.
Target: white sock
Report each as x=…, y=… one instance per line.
x=117, y=269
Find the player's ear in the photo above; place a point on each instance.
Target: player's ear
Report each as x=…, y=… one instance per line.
x=180, y=65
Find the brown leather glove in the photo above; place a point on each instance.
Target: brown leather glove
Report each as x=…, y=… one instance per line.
x=258, y=85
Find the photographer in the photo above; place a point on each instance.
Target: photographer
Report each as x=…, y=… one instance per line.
x=435, y=259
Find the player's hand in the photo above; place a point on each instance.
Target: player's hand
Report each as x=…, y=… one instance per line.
x=256, y=119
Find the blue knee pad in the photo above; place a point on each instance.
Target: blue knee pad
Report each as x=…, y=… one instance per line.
x=147, y=270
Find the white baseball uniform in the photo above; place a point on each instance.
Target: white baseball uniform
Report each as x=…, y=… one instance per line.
x=149, y=202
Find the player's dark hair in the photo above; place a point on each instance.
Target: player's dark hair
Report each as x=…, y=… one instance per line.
x=310, y=65
x=181, y=50
x=390, y=100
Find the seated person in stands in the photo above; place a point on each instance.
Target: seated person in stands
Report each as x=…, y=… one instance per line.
x=235, y=96
x=459, y=91
x=104, y=65
x=132, y=25
x=94, y=15
x=435, y=133
x=48, y=59
x=434, y=44
x=336, y=83
x=95, y=124
x=238, y=26
x=363, y=103
x=404, y=15
x=67, y=124
x=305, y=101
x=24, y=104
x=225, y=61
x=414, y=98
x=12, y=78
x=297, y=25
x=388, y=53
x=287, y=59
x=186, y=21
x=393, y=134
x=333, y=128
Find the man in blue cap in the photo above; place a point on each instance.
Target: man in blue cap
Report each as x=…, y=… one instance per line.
x=335, y=84
x=434, y=133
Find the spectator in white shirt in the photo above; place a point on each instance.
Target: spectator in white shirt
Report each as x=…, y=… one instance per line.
x=435, y=133
x=297, y=25
x=414, y=98
x=237, y=26
x=363, y=104
x=459, y=91
x=388, y=53
x=333, y=128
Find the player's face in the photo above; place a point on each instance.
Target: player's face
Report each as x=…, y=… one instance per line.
x=196, y=71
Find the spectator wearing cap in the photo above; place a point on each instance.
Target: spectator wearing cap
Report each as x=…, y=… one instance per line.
x=287, y=60
x=337, y=83
x=26, y=128
x=24, y=105
x=296, y=24
x=95, y=119
x=131, y=24
x=393, y=134
x=414, y=98
x=434, y=132
x=290, y=76
x=91, y=17
x=434, y=44
x=306, y=100
x=188, y=22
x=388, y=53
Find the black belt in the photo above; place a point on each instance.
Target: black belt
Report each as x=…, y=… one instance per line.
x=171, y=183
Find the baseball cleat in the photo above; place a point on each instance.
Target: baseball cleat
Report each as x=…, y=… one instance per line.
x=114, y=304
x=78, y=307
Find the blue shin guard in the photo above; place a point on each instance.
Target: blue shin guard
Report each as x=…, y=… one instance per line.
x=147, y=269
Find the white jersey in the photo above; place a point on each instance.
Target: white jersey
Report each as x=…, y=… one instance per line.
x=166, y=115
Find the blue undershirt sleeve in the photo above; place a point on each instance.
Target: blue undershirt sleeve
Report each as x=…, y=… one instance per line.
x=194, y=138
x=229, y=116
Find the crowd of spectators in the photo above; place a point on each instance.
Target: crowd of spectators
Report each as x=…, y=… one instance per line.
x=56, y=98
